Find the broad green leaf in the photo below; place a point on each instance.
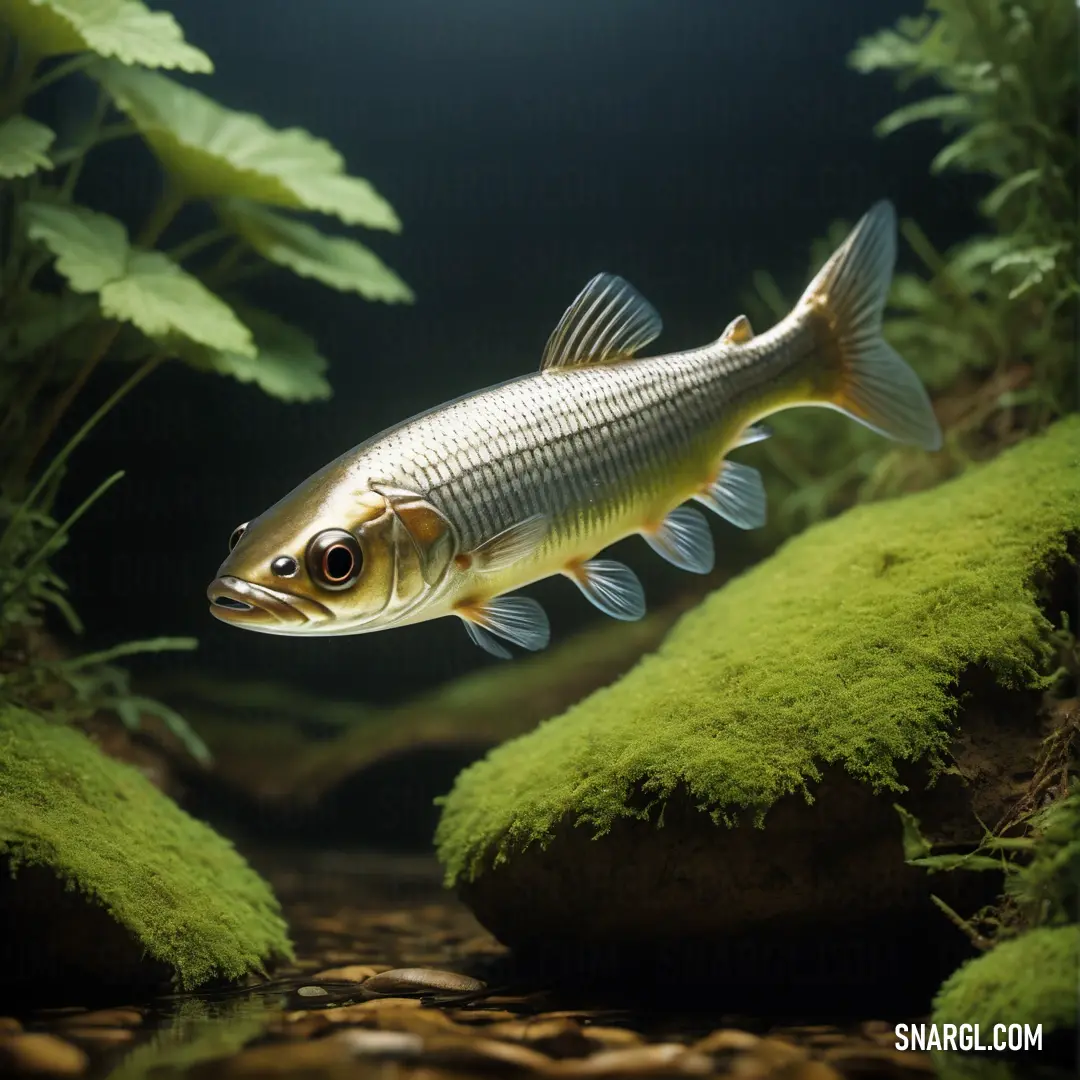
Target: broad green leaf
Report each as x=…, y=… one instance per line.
x=23, y=146
x=125, y=29
x=165, y=302
x=144, y=288
x=91, y=249
x=214, y=152
x=335, y=261
x=287, y=364
x=941, y=107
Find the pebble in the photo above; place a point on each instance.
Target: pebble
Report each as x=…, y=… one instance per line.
x=312, y=991
x=652, y=1060
x=9, y=1025
x=612, y=1036
x=419, y=980
x=106, y=1018
x=101, y=1035
x=397, y=1044
x=857, y=1060
x=290, y=1059
x=39, y=1053
x=808, y=1070
x=457, y=1052
x=483, y=1016
x=352, y=973
x=727, y=1040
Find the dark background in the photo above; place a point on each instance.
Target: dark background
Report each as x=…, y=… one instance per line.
x=526, y=146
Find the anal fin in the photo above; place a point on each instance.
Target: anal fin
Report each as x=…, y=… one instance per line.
x=517, y=619
x=737, y=495
x=684, y=540
x=611, y=586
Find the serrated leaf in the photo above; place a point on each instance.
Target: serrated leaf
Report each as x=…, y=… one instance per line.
x=91, y=249
x=940, y=107
x=339, y=262
x=23, y=147
x=165, y=302
x=215, y=152
x=125, y=29
x=287, y=365
x=144, y=288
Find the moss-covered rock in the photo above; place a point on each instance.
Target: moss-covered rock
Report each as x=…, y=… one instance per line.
x=1031, y=979
x=807, y=695
x=109, y=881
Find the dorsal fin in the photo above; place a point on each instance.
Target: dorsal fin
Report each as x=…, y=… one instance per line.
x=738, y=331
x=610, y=320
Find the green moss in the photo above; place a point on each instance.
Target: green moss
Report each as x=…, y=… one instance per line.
x=842, y=647
x=178, y=887
x=1031, y=979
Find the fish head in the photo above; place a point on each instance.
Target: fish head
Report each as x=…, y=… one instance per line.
x=333, y=558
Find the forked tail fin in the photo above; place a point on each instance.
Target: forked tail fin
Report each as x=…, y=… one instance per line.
x=864, y=376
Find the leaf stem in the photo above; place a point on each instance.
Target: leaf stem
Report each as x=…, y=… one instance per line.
x=50, y=545
x=57, y=462
x=61, y=71
x=198, y=243
x=168, y=206
x=19, y=81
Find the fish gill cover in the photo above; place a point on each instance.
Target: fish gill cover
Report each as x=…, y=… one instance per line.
x=844, y=647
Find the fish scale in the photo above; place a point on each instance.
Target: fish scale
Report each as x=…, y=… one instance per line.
x=451, y=512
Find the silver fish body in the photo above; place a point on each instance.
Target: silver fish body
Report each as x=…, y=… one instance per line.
x=451, y=511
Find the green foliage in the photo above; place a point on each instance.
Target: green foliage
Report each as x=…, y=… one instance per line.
x=1030, y=979
x=77, y=288
x=126, y=29
x=843, y=647
x=990, y=324
x=181, y=890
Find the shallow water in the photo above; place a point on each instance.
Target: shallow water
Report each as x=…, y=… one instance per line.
x=391, y=910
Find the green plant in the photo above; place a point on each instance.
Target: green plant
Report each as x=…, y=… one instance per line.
x=76, y=288
x=990, y=324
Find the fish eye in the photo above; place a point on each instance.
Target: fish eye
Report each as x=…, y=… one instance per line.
x=234, y=539
x=283, y=566
x=334, y=559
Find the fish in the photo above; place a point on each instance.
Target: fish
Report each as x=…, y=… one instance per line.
x=453, y=511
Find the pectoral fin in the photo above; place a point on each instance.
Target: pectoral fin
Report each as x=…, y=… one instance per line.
x=517, y=619
x=737, y=495
x=613, y=587
x=684, y=540
x=511, y=545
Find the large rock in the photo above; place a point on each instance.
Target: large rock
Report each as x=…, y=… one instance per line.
x=891, y=655
x=106, y=883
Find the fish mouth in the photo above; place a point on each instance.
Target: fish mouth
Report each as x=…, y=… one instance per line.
x=243, y=603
